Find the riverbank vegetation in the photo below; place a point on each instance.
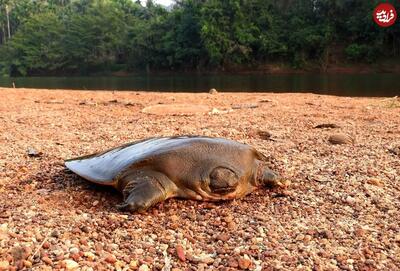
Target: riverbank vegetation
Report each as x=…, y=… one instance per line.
x=86, y=36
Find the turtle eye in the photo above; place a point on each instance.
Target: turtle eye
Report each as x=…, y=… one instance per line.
x=223, y=180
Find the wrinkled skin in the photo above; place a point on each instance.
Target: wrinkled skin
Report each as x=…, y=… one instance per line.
x=199, y=168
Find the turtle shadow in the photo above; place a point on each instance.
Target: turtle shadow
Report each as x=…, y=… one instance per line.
x=65, y=179
x=59, y=180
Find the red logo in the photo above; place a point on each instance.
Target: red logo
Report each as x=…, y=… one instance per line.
x=385, y=15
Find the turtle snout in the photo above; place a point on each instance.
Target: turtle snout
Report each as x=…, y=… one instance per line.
x=270, y=178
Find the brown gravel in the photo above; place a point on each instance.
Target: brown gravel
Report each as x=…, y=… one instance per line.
x=342, y=209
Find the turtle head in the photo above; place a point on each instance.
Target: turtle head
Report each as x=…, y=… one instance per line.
x=266, y=177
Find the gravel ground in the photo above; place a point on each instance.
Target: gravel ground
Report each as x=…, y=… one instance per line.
x=340, y=212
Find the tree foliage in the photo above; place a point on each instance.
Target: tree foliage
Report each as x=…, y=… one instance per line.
x=84, y=36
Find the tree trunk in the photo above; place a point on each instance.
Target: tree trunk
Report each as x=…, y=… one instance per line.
x=325, y=60
x=3, y=35
x=8, y=22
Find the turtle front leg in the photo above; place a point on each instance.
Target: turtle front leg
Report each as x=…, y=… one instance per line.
x=142, y=190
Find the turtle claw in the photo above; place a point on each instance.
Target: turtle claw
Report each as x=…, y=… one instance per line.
x=122, y=206
x=131, y=207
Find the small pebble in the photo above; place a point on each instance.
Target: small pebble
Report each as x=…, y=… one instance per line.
x=89, y=255
x=376, y=182
x=70, y=264
x=359, y=232
x=350, y=200
x=27, y=264
x=174, y=218
x=74, y=250
x=47, y=260
x=233, y=263
x=33, y=153
x=228, y=218
x=55, y=234
x=85, y=229
x=46, y=245
x=244, y=262
x=213, y=91
x=338, y=139
x=144, y=267
x=111, y=258
x=4, y=265
x=223, y=237
x=133, y=264
x=180, y=253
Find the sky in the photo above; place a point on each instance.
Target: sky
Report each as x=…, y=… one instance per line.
x=164, y=2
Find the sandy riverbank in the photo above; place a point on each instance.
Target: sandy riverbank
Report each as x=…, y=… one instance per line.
x=340, y=212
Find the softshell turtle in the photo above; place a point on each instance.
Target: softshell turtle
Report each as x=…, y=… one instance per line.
x=192, y=167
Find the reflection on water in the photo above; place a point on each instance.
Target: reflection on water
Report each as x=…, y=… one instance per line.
x=335, y=84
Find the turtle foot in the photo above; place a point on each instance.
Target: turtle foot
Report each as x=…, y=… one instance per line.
x=143, y=191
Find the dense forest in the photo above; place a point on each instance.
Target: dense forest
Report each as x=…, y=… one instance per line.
x=42, y=37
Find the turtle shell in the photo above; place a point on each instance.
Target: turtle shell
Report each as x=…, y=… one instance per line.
x=104, y=168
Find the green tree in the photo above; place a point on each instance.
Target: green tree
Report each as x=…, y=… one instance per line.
x=147, y=38
x=182, y=41
x=37, y=46
x=240, y=32
x=94, y=36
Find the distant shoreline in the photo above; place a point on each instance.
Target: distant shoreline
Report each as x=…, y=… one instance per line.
x=387, y=66
x=341, y=84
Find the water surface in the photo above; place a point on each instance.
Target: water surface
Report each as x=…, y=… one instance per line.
x=366, y=85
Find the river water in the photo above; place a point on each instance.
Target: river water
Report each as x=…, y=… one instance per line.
x=367, y=85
